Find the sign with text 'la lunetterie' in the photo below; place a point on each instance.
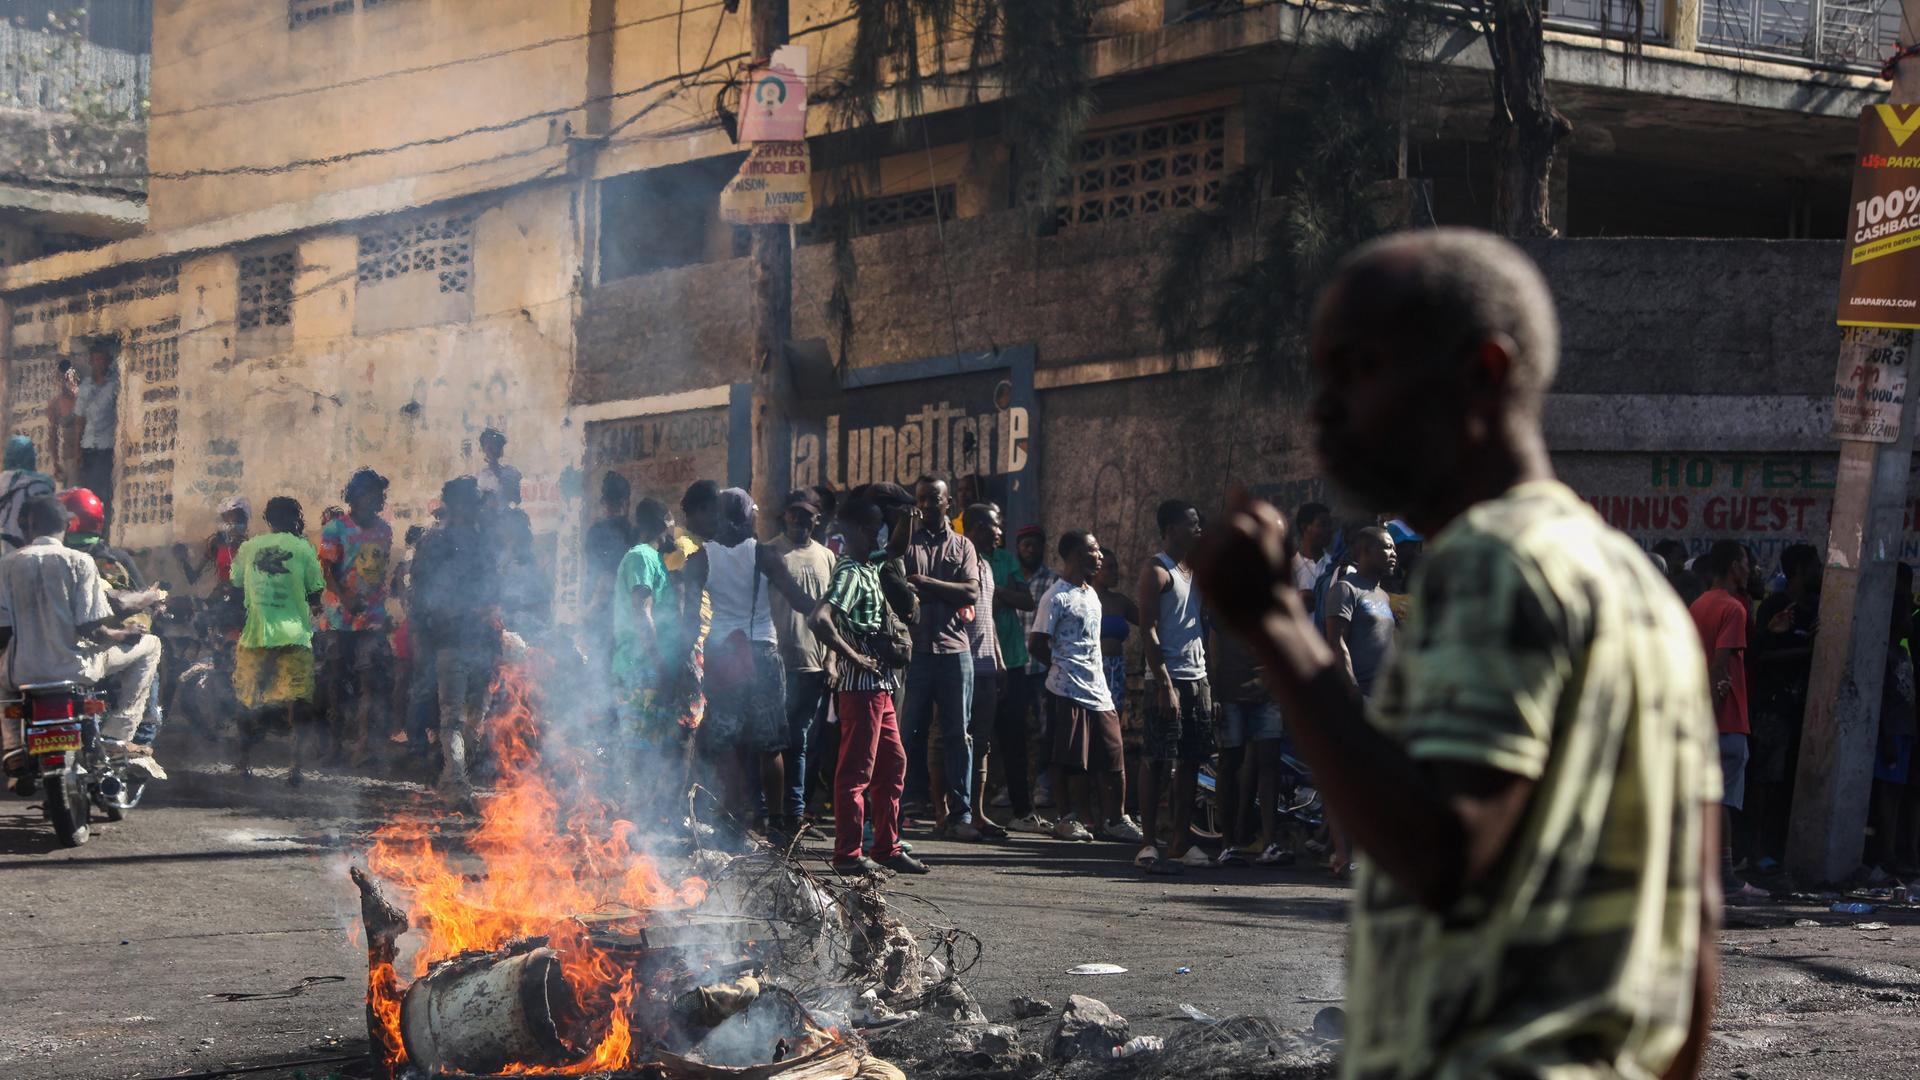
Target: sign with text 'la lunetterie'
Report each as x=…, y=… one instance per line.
x=1880, y=281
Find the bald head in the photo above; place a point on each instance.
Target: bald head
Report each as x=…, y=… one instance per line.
x=1441, y=291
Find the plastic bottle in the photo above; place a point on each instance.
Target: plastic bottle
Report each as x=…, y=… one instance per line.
x=1854, y=908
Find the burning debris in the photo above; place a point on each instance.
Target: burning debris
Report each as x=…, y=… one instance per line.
x=558, y=945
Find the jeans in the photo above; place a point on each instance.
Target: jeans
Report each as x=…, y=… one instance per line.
x=945, y=680
x=869, y=777
x=806, y=710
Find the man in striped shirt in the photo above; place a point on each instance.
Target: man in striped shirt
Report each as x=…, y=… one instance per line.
x=872, y=769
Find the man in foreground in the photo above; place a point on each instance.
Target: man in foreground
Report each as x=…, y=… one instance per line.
x=1533, y=792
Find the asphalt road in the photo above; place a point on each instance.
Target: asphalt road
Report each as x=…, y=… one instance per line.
x=120, y=952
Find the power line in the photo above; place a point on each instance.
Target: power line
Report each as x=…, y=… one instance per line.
x=443, y=64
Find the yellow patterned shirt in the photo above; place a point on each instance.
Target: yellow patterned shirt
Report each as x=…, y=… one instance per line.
x=1544, y=644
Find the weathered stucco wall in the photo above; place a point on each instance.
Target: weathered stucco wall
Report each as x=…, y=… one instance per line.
x=230, y=82
x=220, y=421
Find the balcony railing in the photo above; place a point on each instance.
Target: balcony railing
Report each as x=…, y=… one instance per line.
x=64, y=73
x=1644, y=20
x=1853, y=34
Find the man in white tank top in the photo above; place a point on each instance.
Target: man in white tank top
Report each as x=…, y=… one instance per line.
x=745, y=730
x=1180, y=711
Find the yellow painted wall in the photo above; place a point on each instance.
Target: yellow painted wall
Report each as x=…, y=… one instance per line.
x=213, y=58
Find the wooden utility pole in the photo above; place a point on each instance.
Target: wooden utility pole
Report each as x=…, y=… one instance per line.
x=1866, y=532
x=772, y=285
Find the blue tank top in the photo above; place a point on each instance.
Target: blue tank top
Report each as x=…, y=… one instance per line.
x=1182, y=633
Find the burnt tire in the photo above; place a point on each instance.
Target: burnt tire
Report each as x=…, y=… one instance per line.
x=67, y=805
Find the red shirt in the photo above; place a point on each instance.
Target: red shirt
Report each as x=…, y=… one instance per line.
x=1721, y=618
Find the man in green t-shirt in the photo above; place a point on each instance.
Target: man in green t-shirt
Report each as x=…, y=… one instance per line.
x=281, y=582
x=646, y=629
x=1533, y=790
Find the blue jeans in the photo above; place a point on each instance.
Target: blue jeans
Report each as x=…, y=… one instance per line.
x=807, y=694
x=946, y=680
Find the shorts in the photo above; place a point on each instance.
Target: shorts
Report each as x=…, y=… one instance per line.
x=1733, y=770
x=1115, y=669
x=1084, y=740
x=273, y=676
x=1245, y=722
x=751, y=715
x=1184, y=733
x=1895, y=768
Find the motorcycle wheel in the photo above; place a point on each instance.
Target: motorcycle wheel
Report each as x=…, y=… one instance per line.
x=67, y=805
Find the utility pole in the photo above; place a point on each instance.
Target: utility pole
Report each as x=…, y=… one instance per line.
x=1866, y=532
x=771, y=276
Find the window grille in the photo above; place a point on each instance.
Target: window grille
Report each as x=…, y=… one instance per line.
x=1143, y=169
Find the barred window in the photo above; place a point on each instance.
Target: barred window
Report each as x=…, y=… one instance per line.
x=1148, y=168
x=885, y=212
x=266, y=290
x=303, y=13
x=415, y=274
x=438, y=245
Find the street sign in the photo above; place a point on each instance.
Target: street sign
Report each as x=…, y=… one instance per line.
x=1870, y=387
x=773, y=187
x=773, y=107
x=1880, y=281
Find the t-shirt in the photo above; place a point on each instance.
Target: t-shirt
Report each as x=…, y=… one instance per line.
x=1235, y=676
x=941, y=628
x=640, y=568
x=278, y=571
x=1781, y=685
x=364, y=556
x=1721, y=618
x=1544, y=644
x=983, y=639
x=98, y=405
x=1369, y=614
x=812, y=569
x=606, y=543
x=47, y=592
x=1010, y=624
x=1070, y=615
x=859, y=610
x=455, y=584
x=1306, y=572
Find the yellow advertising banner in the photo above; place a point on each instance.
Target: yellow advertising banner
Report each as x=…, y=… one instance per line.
x=773, y=187
x=1880, y=280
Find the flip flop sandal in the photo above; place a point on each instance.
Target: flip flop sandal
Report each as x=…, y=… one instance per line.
x=1164, y=868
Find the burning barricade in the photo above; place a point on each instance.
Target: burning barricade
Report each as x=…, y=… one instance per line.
x=547, y=940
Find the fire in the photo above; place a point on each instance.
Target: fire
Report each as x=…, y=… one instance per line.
x=543, y=861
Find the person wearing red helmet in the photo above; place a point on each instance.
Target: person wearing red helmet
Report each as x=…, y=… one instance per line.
x=59, y=618
x=126, y=586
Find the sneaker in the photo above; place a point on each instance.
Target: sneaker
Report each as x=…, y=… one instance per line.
x=1001, y=800
x=989, y=830
x=1069, y=829
x=1043, y=797
x=964, y=830
x=903, y=863
x=1251, y=849
x=858, y=867
x=1032, y=823
x=1275, y=855
x=1193, y=856
x=1147, y=857
x=1124, y=830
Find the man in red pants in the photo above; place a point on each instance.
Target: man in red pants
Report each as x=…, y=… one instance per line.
x=852, y=621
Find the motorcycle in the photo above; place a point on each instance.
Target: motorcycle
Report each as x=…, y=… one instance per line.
x=1301, y=815
x=68, y=760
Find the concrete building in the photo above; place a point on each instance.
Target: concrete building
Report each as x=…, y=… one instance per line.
x=378, y=226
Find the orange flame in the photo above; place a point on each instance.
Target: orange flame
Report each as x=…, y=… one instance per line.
x=544, y=860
